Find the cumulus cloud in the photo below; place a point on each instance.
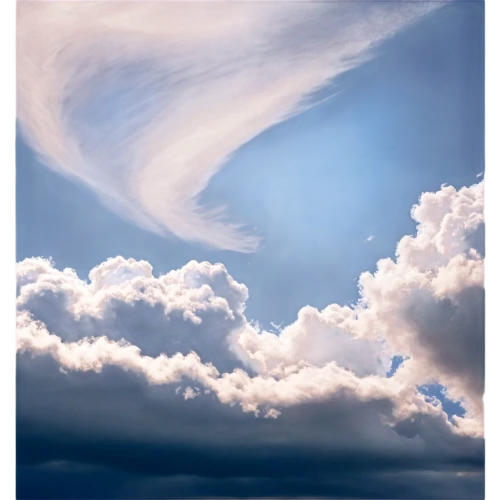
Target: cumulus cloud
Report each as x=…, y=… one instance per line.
x=316, y=338
x=145, y=101
x=429, y=303
x=191, y=309
x=148, y=375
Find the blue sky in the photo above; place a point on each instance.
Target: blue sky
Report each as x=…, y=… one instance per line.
x=315, y=186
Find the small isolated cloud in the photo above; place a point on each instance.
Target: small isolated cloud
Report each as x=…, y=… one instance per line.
x=480, y=174
x=277, y=326
x=191, y=83
x=272, y=413
x=370, y=238
x=190, y=393
x=110, y=363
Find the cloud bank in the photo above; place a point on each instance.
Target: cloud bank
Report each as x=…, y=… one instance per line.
x=127, y=382
x=145, y=102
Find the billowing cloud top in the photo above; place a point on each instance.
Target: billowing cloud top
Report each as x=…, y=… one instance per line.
x=130, y=380
x=145, y=101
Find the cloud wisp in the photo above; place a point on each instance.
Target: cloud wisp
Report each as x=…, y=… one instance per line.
x=145, y=102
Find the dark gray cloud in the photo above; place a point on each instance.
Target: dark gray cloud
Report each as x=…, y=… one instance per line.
x=112, y=430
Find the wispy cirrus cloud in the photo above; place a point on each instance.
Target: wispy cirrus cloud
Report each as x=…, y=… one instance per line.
x=145, y=102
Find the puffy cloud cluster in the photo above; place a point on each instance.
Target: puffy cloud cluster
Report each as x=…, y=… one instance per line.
x=429, y=303
x=193, y=309
x=169, y=311
x=135, y=374
x=315, y=338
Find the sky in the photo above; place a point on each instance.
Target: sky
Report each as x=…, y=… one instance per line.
x=385, y=138
x=317, y=128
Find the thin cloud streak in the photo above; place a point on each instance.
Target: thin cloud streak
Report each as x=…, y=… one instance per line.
x=145, y=102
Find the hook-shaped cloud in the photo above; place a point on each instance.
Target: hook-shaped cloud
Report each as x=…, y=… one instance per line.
x=144, y=102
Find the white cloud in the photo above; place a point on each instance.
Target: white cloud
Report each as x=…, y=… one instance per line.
x=427, y=305
x=316, y=338
x=272, y=413
x=370, y=238
x=172, y=360
x=190, y=393
x=277, y=327
x=207, y=78
x=194, y=308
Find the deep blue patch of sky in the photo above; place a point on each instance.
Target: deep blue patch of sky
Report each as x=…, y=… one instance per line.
x=450, y=407
x=437, y=391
